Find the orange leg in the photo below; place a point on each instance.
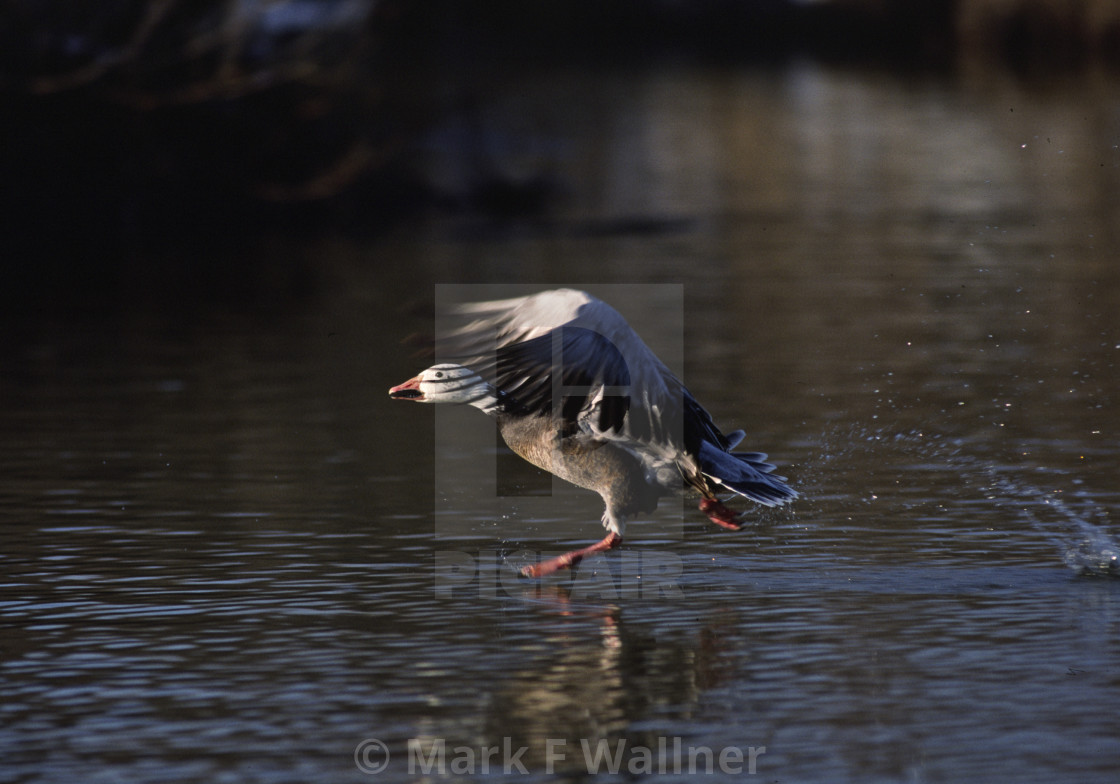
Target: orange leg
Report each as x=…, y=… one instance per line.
x=568, y=560
x=720, y=514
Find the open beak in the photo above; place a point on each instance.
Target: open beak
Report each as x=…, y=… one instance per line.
x=409, y=390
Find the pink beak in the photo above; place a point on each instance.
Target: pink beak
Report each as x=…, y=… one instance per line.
x=409, y=390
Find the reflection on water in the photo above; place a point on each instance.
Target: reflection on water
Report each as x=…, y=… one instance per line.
x=220, y=558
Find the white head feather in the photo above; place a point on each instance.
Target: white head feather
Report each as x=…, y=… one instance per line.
x=448, y=383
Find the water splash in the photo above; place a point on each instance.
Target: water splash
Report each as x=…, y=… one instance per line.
x=1077, y=526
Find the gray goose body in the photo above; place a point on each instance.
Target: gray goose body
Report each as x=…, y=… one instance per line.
x=611, y=471
x=576, y=392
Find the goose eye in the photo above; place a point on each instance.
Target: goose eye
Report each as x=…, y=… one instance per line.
x=439, y=374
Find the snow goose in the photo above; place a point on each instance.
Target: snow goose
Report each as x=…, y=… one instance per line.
x=576, y=392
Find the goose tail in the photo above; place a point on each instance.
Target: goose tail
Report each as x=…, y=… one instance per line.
x=745, y=473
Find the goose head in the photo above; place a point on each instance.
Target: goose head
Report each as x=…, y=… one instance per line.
x=447, y=383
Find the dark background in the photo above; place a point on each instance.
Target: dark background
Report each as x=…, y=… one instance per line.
x=134, y=130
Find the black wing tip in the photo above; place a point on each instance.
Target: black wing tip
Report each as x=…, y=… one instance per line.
x=768, y=495
x=765, y=488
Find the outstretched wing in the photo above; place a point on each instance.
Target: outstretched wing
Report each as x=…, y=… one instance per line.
x=572, y=374
x=566, y=354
